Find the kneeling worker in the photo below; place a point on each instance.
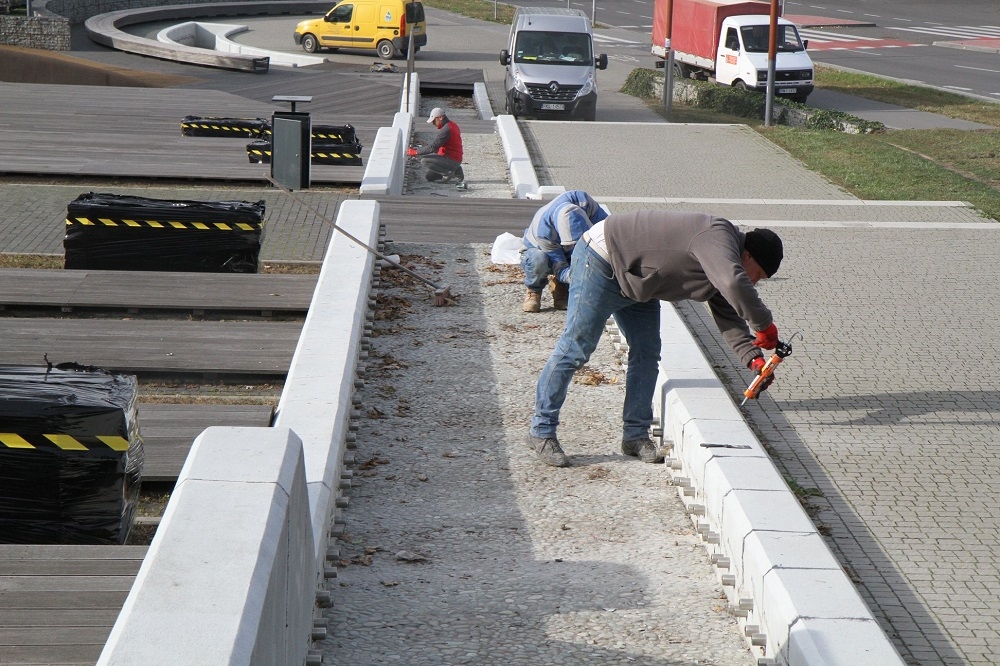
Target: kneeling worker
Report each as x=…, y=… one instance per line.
x=548, y=245
x=443, y=156
x=624, y=266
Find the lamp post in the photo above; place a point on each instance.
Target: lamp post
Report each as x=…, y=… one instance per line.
x=772, y=53
x=668, y=73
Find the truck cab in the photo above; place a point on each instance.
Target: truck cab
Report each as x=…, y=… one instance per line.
x=742, y=57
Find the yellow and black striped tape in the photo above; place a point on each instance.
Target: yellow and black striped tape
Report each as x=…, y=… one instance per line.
x=244, y=131
x=155, y=224
x=314, y=155
x=336, y=156
x=12, y=440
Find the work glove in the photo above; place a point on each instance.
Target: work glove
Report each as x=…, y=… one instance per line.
x=757, y=365
x=412, y=152
x=768, y=338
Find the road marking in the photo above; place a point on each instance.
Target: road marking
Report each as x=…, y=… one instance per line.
x=958, y=32
x=979, y=69
x=820, y=40
x=604, y=39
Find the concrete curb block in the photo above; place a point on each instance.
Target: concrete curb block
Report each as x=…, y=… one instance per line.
x=482, y=100
x=223, y=580
x=316, y=400
x=522, y=172
x=795, y=603
x=386, y=161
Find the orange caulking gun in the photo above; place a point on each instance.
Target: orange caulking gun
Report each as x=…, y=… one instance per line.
x=781, y=351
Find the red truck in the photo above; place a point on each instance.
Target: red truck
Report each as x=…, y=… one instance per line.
x=728, y=40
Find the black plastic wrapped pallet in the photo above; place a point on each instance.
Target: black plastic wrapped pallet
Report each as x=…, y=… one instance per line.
x=237, y=128
x=323, y=152
x=326, y=152
x=330, y=133
x=71, y=455
x=120, y=232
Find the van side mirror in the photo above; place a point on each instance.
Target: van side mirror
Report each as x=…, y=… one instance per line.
x=504, y=57
x=602, y=61
x=805, y=44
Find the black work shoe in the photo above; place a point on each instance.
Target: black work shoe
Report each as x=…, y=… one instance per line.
x=643, y=448
x=548, y=450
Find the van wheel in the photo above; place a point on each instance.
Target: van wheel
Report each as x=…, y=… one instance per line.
x=740, y=85
x=385, y=49
x=310, y=44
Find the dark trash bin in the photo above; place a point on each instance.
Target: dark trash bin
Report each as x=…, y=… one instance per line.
x=70, y=455
x=121, y=232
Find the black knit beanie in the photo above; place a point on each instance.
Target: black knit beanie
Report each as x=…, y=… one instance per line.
x=765, y=248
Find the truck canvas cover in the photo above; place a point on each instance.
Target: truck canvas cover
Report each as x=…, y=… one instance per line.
x=696, y=23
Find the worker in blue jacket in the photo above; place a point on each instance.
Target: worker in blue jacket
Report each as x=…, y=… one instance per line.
x=548, y=245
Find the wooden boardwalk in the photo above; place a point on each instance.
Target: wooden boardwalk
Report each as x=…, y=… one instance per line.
x=169, y=429
x=135, y=291
x=58, y=603
x=136, y=133
x=150, y=348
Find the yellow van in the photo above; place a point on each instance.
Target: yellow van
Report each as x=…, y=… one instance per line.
x=383, y=25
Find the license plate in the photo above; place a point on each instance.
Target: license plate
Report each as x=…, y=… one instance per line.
x=553, y=107
x=787, y=91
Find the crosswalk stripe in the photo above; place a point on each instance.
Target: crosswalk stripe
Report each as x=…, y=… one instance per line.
x=962, y=32
x=821, y=36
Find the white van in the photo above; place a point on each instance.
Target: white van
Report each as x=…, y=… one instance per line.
x=551, y=67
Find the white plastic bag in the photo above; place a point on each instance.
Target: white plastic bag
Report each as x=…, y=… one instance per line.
x=507, y=249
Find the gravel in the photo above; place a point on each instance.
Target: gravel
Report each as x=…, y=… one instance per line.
x=460, y=547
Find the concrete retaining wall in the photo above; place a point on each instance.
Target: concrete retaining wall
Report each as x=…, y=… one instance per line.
x=317, y=399
x=224, y=581
x=238, y=563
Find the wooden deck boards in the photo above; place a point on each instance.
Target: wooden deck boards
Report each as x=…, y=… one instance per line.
x=152, y=290
x=155, y=348
x=412, y=219
x=58, y=603
x=136, y=133
x=168, y=430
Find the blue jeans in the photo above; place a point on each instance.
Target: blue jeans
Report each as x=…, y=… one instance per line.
x=537, y=268
x=594, y=295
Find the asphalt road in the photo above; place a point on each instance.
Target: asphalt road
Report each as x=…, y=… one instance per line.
x=882, y=37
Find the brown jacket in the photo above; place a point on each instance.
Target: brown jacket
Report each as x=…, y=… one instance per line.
x=676, y=256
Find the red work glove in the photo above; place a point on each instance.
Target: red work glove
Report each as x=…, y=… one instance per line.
x=757, y=365
x=768, y=338
x=412, y=152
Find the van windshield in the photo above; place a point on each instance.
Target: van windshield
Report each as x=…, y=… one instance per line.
x=564, y=48
x=755, y=38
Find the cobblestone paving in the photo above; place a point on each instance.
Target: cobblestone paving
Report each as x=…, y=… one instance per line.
x=890, y=409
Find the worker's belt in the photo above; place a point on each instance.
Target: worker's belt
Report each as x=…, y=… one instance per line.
x=601, y=252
